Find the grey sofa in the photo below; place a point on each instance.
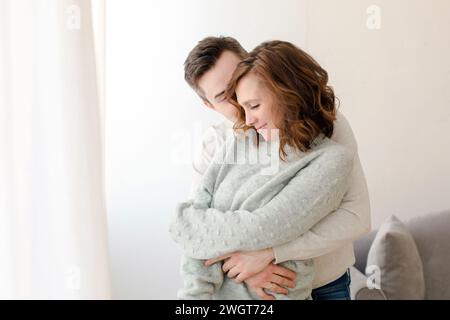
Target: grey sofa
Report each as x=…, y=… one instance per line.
x=431, y=234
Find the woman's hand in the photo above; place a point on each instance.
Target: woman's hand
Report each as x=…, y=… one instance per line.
x=244, y=265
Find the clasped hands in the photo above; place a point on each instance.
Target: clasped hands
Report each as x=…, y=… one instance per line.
x=257, y=270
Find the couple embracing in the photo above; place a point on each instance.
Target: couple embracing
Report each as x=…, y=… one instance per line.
x=252, y=233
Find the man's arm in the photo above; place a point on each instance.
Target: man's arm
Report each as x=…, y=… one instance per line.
x=349, y=222
x=212, y=141
x=288, y=215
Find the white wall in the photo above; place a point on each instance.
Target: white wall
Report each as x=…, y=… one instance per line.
x=151, y=114
x=393, y=84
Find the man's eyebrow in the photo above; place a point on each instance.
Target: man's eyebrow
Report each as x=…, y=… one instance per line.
x=219, y=94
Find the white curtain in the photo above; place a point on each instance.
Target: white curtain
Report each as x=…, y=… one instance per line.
x=53, y=231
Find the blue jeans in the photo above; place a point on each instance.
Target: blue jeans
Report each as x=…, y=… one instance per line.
x=337, y=290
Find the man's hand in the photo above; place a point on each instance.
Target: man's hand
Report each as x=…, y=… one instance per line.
x=273, y=278
x=244, y=265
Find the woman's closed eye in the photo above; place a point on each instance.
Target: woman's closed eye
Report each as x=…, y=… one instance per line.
x=254, y=107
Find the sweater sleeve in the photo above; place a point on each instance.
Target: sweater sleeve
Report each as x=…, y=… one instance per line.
x=343, y=226
x=315, y=191
x=200, y=282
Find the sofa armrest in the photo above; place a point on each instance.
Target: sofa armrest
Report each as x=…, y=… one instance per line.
x=359, y=289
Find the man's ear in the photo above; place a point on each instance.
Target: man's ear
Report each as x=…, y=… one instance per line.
x=208, y=104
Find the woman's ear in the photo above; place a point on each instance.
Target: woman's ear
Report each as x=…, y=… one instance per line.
x=209, y=105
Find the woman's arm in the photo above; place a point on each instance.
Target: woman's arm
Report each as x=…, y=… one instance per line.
x=343, y=226
x=349, y=222
x=314, y=192
x=200, y=282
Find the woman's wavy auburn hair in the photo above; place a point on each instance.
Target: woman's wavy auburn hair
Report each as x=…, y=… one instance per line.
x=304, y=105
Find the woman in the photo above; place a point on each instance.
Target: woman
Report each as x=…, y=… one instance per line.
x=238, y=207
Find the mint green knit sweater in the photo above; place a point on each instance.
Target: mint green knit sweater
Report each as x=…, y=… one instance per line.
x=237, y=208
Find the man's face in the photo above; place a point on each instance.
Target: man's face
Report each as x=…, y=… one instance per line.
x=214, y=82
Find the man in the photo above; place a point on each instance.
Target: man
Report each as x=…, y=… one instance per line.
x=208, y=69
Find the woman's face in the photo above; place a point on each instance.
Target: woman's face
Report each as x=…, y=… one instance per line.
x=257, y=102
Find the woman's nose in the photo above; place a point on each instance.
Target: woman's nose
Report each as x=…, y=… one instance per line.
x=249, y=119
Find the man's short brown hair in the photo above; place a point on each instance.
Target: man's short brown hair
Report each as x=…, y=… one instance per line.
x=205, y=55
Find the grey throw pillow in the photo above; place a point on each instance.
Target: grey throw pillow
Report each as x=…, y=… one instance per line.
x=395, y=253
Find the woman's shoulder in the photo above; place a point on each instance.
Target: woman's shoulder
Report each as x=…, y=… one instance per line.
x=343, y=132
x=322, y=150
x=330, y=150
